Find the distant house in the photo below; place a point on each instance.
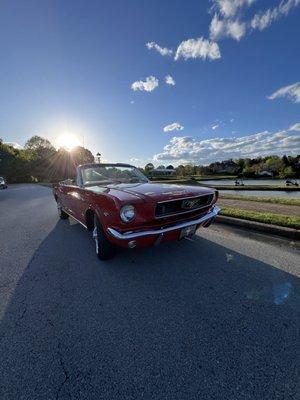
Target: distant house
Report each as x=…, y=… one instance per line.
x=162, y=172
x=265, y=173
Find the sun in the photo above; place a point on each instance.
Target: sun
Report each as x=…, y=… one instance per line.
x=67, y=141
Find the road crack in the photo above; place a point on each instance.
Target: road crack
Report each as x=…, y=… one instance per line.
x=65, y=372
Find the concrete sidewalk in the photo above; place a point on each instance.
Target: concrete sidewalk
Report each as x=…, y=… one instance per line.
x=260, y=206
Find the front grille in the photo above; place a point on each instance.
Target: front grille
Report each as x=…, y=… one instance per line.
x=182, y=206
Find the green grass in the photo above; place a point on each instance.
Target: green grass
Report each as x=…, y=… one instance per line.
x=274, y=200
x=264, y=217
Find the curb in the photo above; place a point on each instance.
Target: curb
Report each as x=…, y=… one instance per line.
x=289, y=233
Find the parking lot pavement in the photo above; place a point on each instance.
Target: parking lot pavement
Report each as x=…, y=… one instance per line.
x=216, y=317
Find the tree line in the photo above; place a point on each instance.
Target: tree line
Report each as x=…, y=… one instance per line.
x=39, y=161
x=273, y=166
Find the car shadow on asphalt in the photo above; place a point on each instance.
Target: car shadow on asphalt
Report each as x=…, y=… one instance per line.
x=185, y=320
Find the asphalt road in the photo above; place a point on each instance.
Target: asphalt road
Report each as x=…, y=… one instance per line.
x=212, y=318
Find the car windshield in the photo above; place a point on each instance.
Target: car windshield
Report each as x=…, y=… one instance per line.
x=112, y=174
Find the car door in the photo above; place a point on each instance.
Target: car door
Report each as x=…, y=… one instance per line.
x=77, y=199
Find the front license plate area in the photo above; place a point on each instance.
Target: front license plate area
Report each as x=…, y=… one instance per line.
x=188, y=231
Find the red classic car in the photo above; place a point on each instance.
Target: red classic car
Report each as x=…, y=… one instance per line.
x=122, y=208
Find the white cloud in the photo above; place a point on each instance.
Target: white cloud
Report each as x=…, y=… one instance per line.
x=164, y=51
x=14, y=144
x=236, y=29
x=198, y=48
x=173, y=127
x=217, y=28
x=292, y=92
x=229, y=8
x=148, y=85
x=214, y=127
x=189, y=149
x=170, y=80
x=220, y=28
x=262, y=20
x=133, y=159
x=227, y=22
x=295, y=127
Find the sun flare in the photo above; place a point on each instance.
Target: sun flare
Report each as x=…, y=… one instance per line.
x=67, y=141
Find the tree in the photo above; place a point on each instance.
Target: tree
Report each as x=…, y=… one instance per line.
x=42, y=155
x=287, y=172
x=170, y=167
x=15, y=165
x=80, y=155
x=149, y=167
x=37, y=142
x=65, y=162
x=180, y=170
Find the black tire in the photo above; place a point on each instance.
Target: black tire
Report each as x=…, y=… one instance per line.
x=61, y=213
x=105, y=250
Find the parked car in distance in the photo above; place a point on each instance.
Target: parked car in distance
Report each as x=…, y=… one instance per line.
x=3, y=184
x=118, y=204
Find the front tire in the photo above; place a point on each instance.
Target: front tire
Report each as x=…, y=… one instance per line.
x=105, y=250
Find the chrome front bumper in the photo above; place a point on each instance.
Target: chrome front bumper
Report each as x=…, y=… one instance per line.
x=133, y=235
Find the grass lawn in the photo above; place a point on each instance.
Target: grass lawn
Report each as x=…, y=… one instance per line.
x=264, y=217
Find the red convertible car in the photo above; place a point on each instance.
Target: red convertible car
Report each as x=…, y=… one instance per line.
x=118, y=204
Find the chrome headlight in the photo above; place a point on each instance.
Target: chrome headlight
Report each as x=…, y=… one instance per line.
x=127, y=213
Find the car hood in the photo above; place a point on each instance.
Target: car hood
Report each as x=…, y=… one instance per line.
x=154, y=192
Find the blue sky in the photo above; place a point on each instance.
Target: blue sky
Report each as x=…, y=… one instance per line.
x=72, y=66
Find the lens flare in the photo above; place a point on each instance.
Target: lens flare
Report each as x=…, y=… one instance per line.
x=67, y=141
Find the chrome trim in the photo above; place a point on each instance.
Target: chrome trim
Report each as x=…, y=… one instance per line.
x=77, y=220
x=184, y=212
x=188, y=211
x=132, y=235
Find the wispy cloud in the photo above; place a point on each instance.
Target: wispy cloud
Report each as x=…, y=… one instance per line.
x=220, y=28
x=198, y=48
x=164, y=51
x=148, y=85
x=170, y=80
x=292, y=92
x=295, y=127
x=229, y=8
x=214, y=127
x=262, y=20
x=228, y=18
x=175, y=126
x=190, y=149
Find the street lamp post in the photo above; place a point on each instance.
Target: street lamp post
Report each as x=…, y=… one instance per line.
x=98, y=158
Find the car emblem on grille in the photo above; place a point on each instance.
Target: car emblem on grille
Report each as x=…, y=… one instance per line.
x=189, y=204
